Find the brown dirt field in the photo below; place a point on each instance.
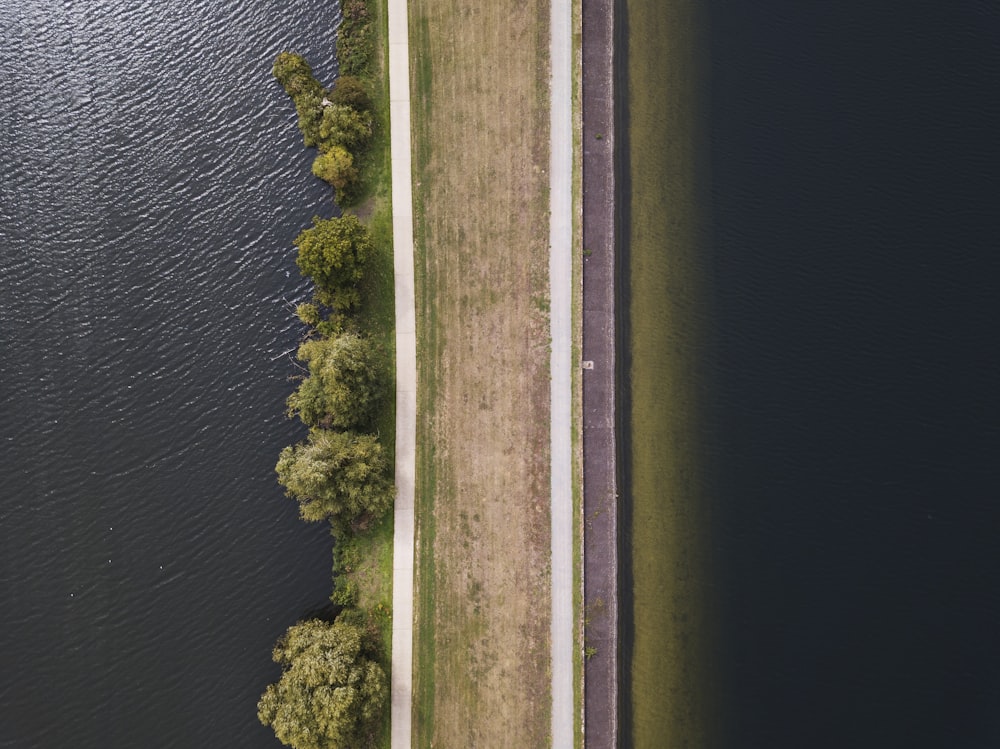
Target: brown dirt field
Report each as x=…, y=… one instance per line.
x=480, y=125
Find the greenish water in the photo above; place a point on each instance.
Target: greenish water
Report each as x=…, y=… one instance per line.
x=666, y=632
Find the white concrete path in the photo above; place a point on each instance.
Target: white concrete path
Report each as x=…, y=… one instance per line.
x=406, y=376
x=561, y=318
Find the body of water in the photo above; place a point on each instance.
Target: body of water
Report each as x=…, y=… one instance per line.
x=153, y=180
x=841, y=354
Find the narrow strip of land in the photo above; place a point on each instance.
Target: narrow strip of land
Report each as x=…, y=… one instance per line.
x=600, y=484
x=560, y=321
x=406, y=377
x=480, y=94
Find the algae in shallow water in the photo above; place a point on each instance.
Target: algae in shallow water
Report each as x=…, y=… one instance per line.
x=665, y=638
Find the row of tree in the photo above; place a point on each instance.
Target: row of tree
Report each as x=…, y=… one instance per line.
x=338, y=122
x=333, y=689
x=341, y=472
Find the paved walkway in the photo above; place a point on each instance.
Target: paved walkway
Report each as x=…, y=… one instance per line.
x=561, y=321
x=406, y=376
x=600, y=471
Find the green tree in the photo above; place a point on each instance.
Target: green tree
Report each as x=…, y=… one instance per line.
x=296, y=77
x=330, y=692
x=355, y=40
x=351, y=91
x=333, y=254
x=346, y=127
x=346, y=382
x=309, y=108
x=342, y=477
x=308, y=314
x=336, y=166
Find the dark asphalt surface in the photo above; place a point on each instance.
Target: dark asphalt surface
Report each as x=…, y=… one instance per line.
x=600, y=467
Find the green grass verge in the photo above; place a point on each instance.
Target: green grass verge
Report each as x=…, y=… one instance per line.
x=427, y=344
x=373, y=571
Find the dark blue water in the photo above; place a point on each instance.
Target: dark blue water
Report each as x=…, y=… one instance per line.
x=855, y=173
x=151, y=182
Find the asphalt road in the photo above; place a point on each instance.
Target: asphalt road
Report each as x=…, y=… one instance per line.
x=600, y=485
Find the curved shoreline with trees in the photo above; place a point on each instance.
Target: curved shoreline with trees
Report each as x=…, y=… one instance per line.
x=334, y=687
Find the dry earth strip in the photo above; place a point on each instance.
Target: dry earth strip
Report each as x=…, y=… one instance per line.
x=480, y=83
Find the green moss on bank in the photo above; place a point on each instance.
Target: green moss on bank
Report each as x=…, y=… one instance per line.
x=667, y=673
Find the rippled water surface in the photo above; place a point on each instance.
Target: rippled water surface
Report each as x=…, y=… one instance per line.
x=152, y=182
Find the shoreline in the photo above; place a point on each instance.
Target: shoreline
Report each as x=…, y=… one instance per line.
x=666, y=622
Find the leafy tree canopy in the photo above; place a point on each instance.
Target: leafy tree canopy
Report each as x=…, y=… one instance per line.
x=333, y=253
x=309, y=108
x=355, y=38
x=345, y=127
x=296, y=77
x=346, y=382
x=350, y=91
x=309, y=314
x=337, y=122
x=330, y=692
x=339, y=476
x=336, y=166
